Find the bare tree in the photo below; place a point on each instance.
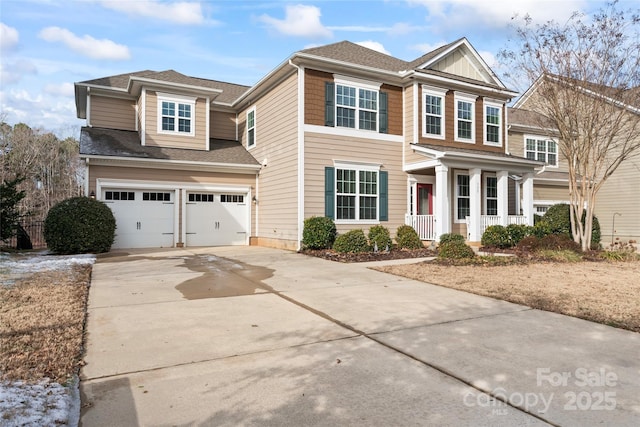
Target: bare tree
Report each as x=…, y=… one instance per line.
x=586, y=83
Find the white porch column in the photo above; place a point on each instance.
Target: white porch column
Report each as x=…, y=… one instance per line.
x=503, y=197
x=442, y=208
x=475, y=205
x=527, y=197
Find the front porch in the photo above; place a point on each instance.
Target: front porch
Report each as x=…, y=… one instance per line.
x=425, y=225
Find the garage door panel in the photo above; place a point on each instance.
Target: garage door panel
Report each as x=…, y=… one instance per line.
x=214, y=219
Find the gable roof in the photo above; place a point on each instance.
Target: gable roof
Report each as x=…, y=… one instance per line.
x=346, y=51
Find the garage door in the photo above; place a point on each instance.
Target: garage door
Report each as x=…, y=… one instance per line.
x=216, y=219
x=144, y=218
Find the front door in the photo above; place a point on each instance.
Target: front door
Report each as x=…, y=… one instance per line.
x=425, y=199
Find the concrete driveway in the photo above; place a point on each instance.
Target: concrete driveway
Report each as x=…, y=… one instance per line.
x=254, y=336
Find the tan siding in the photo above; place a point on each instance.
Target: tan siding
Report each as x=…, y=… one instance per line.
x=320, y=152
x=620, y=194
x=517, y=148
x=113, y=113
x=409, y=133
x=456, y=63
x=222, y=125
x=153, y=138
x=276, y=142
x=550, y=192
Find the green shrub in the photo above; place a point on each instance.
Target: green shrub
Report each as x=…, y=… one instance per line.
x=558, y=242
x=353, y=241
x=379, y=237
x=455, y=250
x=496, y=236
x=319, y=232
x=79, y=225
x=541, y=229
x=408, y=238
x=517, y=232
x=451, y=237
x=557, y=220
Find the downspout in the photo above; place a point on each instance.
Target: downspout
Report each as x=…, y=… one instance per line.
x=300, y=71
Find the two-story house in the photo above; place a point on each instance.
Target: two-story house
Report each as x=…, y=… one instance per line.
x=338, y=130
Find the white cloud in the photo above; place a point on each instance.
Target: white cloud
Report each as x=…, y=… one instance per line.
x=359, y=29
x=489, y=58
x=497, y=13
x=8, y=37
x=61, y=89
x=86, y=45
x=374, y=46
x=427, y=47
x=13, y=72
x=300, y=20
x=187, y=13
x=402, y=28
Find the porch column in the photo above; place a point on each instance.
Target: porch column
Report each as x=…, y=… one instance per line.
x=475, y=205
x=527, y=197
x=442, y=208
x=503, y=197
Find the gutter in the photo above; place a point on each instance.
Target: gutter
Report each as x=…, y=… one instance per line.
x=156, y=162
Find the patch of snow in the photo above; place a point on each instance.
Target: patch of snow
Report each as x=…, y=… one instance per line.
x=40, y=261
x=42, y=404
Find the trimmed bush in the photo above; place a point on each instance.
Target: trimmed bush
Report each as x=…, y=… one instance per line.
x=557, y=220
x=496, y=236
x=517, y=232
x=541, y=229
x=379, y=236
x=319, y=232
x=455, y=250
x=353, y=241
x=408, y=238
x=79, y=225
x=559, y=242
x=528, y=244
x=451, y=237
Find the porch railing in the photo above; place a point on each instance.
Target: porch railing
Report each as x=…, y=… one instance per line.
x=489, y=220
x=425, y=225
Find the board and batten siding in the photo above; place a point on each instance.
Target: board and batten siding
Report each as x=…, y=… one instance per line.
x=276, y=147
x=321, y=150
x=222, y=125
x=153, y=138
x=112, y=113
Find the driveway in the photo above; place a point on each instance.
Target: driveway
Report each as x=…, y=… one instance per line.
x=236, y=336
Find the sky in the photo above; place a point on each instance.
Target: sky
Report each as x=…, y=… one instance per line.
x=47, y=45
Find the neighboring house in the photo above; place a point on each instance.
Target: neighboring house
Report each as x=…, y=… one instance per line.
x=338, y=130
x=617, y=203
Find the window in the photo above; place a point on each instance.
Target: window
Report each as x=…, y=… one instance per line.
x=433, y=117
x=232, y=198
x=198, y=197
x=463, y=201
x=119, y=195
x=492, y=120
x=542, y=150
x=251, y=127
x=356, y=194
x=465, y=131
x=356, y=105
x=156, y=197
x=491, y=196
x=175, y=114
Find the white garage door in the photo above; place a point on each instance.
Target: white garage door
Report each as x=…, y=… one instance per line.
x=144, y=218
x=215, y=219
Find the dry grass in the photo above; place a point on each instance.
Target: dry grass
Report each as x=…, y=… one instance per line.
x=41, y=325
x=604, y=292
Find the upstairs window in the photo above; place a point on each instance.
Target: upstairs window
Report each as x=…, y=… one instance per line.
x=251, y=128
x=356, y=108
x=465, y=114
x=492, y=124
x=433, y=100
x=176, y=114
x=542, y=150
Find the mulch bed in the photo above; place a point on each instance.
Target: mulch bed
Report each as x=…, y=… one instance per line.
x=332, y=255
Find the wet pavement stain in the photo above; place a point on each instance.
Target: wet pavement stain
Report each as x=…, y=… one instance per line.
x=223, y=278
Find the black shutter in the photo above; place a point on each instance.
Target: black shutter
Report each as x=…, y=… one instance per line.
x=384, y=196
x=329, y=104
x=329, y=192
x=384, y=116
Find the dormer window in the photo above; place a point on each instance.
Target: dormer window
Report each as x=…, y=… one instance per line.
x=176, y=114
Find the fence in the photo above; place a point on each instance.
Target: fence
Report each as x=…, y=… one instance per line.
x=31, y=238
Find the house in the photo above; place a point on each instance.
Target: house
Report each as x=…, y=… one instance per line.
x=617, y=203
x=340, y=130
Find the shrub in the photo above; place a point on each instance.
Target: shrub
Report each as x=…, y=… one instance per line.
x=455, y=250
x=496, y=236
x=528, y=244
x=559, y=242
x=319, y=232
x=79, y=225
x=517, y=232
x=408, y=238
x=353, y=241
x=564, y=255
x=379, y=237
x=557, y=220
x=451, y=237
x=540, y=229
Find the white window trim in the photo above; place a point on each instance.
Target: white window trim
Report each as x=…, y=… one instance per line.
x=500, y=107
x=357, y=166
x=442, y=93
x=486, y=192
x=357, y=84
x=177, y=99
x=540, y=137
x=255, y=125
x=464, y=97
x=456, y=196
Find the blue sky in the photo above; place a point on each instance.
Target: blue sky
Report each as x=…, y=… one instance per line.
x=47, y=45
